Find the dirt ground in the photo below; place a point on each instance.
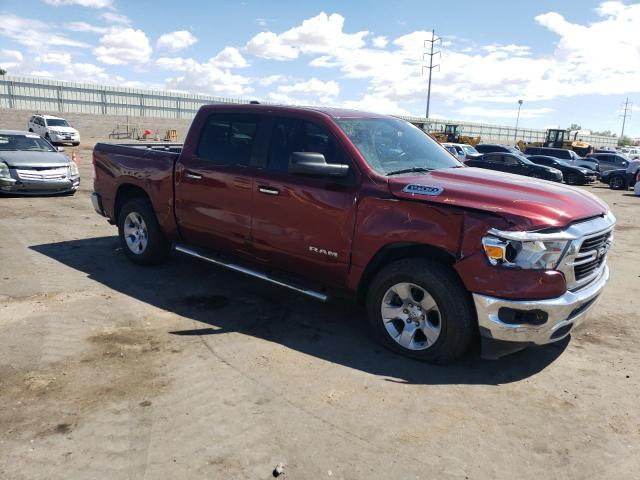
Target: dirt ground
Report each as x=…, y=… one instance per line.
x=186, y=371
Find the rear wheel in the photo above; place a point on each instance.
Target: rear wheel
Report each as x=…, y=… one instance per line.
x=419, y=308
x=140, y=236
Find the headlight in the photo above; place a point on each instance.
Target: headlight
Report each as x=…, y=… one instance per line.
x=528, y=250
x=4, y=170
x=73, y=169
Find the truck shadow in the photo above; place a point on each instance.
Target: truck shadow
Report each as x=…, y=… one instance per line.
x=222, y=301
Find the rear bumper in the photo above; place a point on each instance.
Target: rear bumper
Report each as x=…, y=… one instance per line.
x=563, y=314
x=38, y=187
x=96, y=201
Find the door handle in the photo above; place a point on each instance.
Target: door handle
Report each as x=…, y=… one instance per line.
x=269, y=190
x=194, y=176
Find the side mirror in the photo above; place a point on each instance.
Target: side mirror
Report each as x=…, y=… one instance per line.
x=314, y=165
x=60, y=149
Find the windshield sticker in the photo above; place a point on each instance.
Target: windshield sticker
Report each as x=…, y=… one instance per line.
x=422, y=189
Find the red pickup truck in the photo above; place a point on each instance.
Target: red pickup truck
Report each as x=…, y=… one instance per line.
x=326, y=201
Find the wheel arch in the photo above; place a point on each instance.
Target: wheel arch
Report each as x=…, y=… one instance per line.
x=125, y=192
x=396, y=251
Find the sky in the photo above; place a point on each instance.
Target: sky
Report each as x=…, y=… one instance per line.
x=568, y=61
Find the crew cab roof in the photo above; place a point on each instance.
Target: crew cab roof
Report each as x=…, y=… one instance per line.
x=331, y=112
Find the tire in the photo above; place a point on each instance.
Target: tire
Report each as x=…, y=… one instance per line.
x=454, y=318
x=31, y=130
x=617, y=183
x=75, y=144
x=140, y=236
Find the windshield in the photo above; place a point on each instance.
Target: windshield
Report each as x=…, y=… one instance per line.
x=57, y=122
x=391, y=145
x=469, y=150
x=30, y=143
x=574, y=155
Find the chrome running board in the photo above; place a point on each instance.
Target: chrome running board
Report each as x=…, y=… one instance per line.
x=253, y=273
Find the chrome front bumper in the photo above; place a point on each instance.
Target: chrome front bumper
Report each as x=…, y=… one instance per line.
x=564, y=314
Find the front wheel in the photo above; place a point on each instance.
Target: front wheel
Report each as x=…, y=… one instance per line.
x=571, y=179
x=616, y=183
x=140, y=236
x=419, y=308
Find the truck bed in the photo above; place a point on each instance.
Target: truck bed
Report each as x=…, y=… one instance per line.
x=147, y=166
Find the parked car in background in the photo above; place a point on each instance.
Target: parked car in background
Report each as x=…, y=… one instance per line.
x=622, y=178
x=633, y=153
x=495, y=147
x=55, y=130
x=456, y=152
x=324, y=200
x=30, y=165
x=463, y=152
x=610, y=161
x=636, y=188
x=571, y=174
x=568, y=156
x=515, y=163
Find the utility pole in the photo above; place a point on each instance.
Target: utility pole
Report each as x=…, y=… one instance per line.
x=431, y=66
x=515, y=135
x=626, y=107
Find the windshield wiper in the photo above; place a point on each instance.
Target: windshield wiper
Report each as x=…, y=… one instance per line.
x=409, y=170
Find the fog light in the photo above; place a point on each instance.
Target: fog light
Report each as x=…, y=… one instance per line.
x=520, y=317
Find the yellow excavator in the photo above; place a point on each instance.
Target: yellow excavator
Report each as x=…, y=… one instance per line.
x=558, y=138
x=451, y=134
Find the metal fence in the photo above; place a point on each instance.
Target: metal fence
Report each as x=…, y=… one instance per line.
x=42, y=95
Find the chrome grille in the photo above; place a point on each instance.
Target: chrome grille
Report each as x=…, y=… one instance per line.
x=40, y=174
x=586, y=255
x=592, y=254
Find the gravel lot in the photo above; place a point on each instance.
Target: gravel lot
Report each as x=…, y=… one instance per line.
x=112, y=371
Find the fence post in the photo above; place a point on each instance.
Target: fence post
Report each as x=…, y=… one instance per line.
x=10, y=92
x=59, y=94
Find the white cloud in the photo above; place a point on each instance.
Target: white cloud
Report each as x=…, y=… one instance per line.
x=82, y=3
x=123, y=46
x=320, y=34
x=373, y=103
x=482, y=112
x=13, y=54
x=29, y=32
x=112, y=17
x=203, y=77
x=380, y=42
x=270, y=80
x=269, y=45
x=312, y=86
x=54, y=58
x=175, y=41
x=229, y=57
x=41, y=73
x=85, y=27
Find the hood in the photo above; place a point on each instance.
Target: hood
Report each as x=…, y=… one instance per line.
x=34, y=159
x=538, y=204
x=62, y=129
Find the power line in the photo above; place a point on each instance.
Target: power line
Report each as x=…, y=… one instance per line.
x=431, y=66
x=626, y=107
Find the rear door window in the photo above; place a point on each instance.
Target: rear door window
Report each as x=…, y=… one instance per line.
x=228, y=139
